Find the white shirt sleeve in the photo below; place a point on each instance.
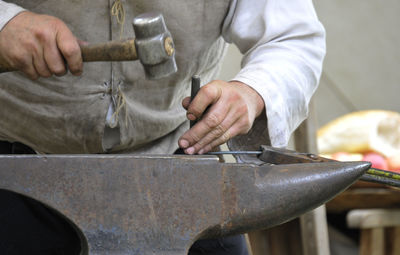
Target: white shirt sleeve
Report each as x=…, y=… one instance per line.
x=283, y=45
x=7, y=12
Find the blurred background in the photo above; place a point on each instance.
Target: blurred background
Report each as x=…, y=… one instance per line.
x=361, y=68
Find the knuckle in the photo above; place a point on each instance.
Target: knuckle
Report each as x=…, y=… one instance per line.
x=235, y=95
x=195, y=111
x=53, y=22
x=212, y=120
x=219, y=130
x=245, y=127
x=194, y=137
x=70, y=50
x=225, y=137
x=242, y=109
x=200, y=144
x=42, y=34
x=59, y=71
x=208, y=90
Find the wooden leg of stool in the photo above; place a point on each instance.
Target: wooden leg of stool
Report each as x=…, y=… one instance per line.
x=380, y=230
x=314, y=225
x=284, y=239
x=372, y=241
x=392, y=241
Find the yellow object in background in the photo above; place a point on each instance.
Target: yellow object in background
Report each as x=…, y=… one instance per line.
x=363, y=131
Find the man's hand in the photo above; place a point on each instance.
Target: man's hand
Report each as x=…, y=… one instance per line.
x=233, y=107
x=40, y=46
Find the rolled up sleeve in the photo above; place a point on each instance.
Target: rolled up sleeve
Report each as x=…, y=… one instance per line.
x=283, y=44
x=7, y=12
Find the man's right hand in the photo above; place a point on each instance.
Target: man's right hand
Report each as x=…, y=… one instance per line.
x=40, y=46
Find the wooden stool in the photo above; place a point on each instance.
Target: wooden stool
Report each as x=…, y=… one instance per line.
x=380, y=230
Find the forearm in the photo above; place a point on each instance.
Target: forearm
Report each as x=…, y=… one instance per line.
x=7, y=12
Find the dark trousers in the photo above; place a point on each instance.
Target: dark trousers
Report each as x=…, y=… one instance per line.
x=232, y=245
x=29, y=228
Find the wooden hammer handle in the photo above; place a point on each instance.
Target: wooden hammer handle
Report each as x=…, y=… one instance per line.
x=123, y=50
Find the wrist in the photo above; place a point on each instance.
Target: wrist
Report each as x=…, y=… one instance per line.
x=252, y=95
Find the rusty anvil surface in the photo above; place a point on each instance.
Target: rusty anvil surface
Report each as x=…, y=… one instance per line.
x=137, y=204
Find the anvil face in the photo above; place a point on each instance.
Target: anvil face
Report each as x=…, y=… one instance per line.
x=136, y=204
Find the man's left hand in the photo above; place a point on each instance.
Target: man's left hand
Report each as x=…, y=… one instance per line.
x=223, y=110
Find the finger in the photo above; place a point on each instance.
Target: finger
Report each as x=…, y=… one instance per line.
x=220, y=140
x=186, y=102
x=219, y=135
x=208, y=95
x=28, y=68
x=70, y=50
x=54, y=60
x=210, y=121
x=40, y=64
x=50, y=55
x=238, y=128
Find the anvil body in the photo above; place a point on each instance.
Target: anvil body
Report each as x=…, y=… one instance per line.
x=136, y=204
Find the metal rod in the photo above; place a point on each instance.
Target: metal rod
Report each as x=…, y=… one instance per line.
x=384, y=173
x=195, y=89
x=235, y=152
x=379, y=179
x=372, y=174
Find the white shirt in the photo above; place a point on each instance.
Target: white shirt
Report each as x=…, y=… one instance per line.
x=283, y=45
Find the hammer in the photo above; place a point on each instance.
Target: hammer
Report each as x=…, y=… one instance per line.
x=153, y=46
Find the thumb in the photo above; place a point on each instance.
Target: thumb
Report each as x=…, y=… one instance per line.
x=186, y=102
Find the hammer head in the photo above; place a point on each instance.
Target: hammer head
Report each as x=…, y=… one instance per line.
x=154, y=45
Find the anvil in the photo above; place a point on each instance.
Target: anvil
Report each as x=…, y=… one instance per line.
x=158, y=204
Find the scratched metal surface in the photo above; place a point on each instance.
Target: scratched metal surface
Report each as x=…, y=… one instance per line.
x=131, y=204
